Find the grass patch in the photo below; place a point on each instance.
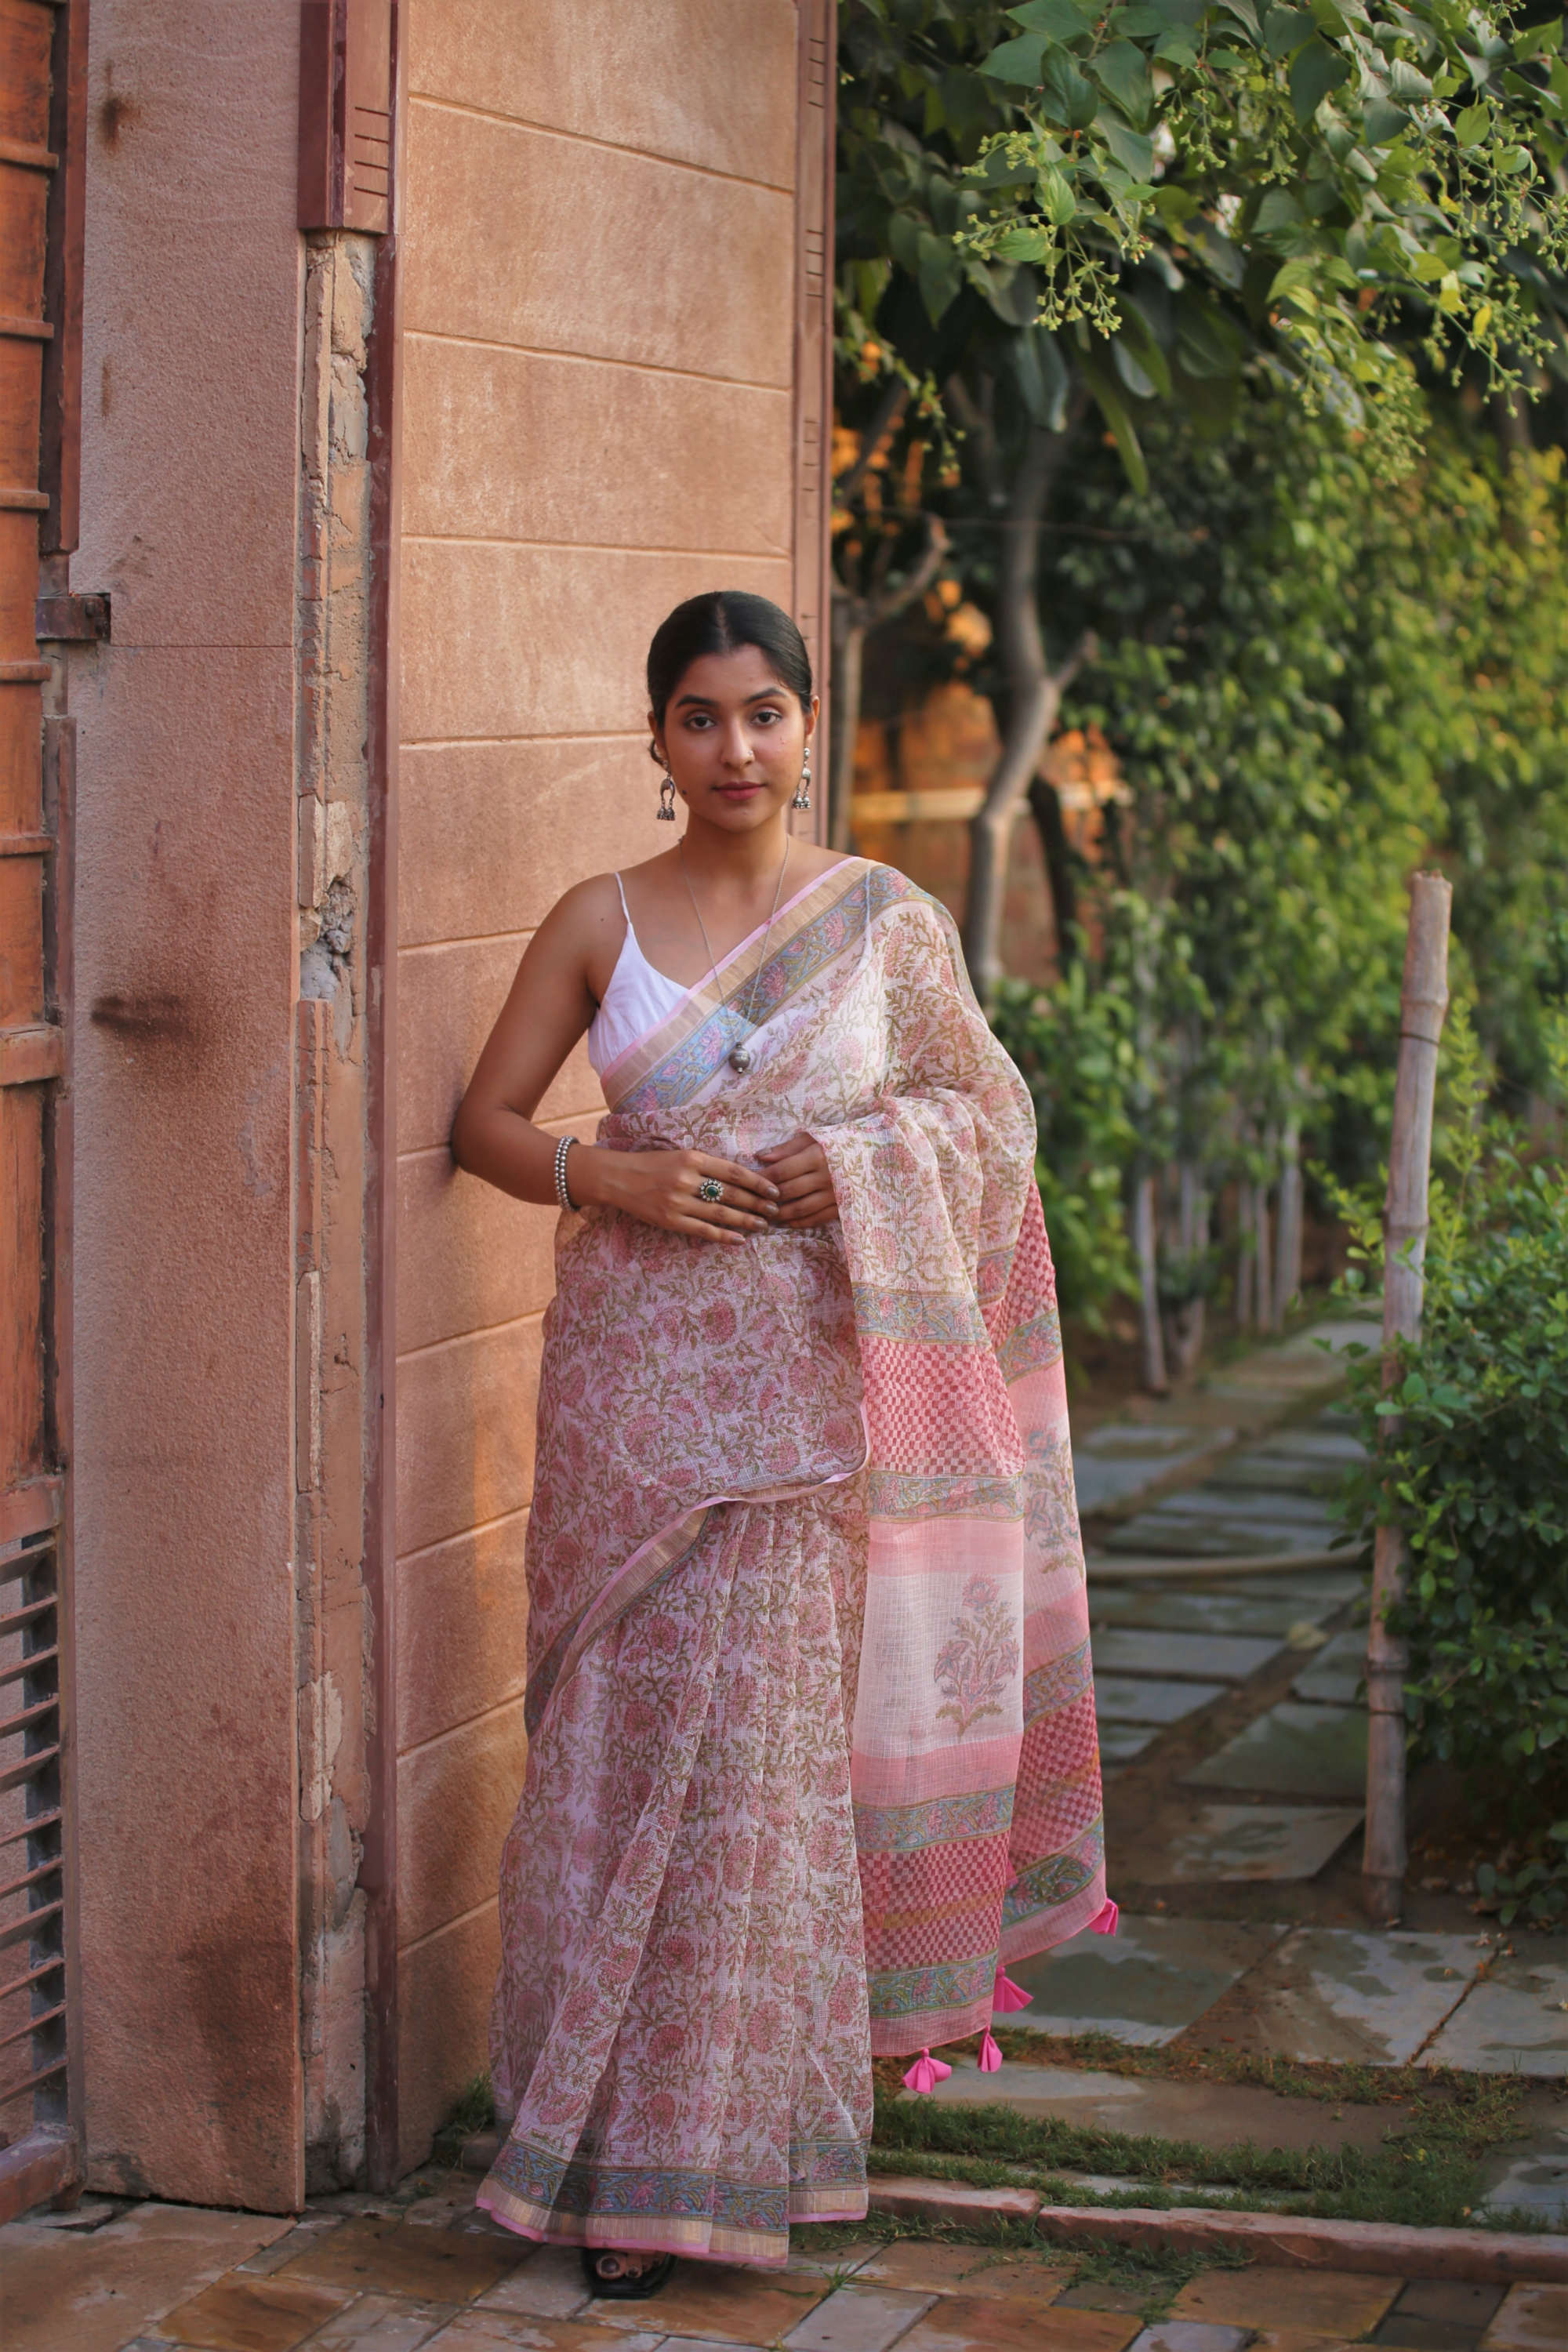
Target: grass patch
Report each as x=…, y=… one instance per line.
x=1331, y=2086
x=1156, y=2277
x=1426, y=2174
x=475, y=2111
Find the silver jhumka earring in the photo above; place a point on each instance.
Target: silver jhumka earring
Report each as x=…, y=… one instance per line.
x=667, y=799
x=803, y=790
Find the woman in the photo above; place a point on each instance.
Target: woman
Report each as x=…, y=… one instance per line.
x=811, y=1724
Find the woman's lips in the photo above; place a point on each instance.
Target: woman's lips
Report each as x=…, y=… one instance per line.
x=738, y=791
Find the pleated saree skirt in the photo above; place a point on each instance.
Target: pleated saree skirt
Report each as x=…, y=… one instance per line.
x=679, y=2040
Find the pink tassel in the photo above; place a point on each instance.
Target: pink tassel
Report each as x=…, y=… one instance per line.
x=1006, y=1995
x=926, y=2072
x=990, y=2056
x=1104, y=1922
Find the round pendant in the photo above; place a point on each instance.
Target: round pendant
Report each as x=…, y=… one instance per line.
x=740, y=1058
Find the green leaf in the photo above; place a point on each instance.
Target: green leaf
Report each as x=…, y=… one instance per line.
x=1294, y=282
x=1174, y=204
x=1281, y=209
x=1059, y=20
x=1177, y=47
x=1139, y=340
x=1209, y=344
x=1018, y=61
x=1133, y=149
x=1069, y=96
x=1124, y=71
x=1058, y=201
x=1472, y=126
x=1405, y=82
x=1314, y=72
x=1129, y=369
x=1112, y=407
x=941, y=273
x=1381, y=123
x=1531, y=42
x=1041, y=377
x=1025, y=241
x=904, y=240
x=1285, y=29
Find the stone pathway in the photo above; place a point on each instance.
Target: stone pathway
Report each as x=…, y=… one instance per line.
x=1234, y=1739
x=397, y=2277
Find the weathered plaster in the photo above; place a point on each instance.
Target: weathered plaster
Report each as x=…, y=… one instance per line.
x=333, y=646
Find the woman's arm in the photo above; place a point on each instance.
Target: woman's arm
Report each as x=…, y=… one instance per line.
x=548, y=1008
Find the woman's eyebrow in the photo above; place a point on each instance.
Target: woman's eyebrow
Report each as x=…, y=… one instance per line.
x=708, y=702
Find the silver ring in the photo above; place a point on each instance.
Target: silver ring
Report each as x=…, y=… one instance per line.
x=709, y=1188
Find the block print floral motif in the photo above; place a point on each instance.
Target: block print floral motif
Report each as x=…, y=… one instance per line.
x=978, y=1663
x=683, y=2022
x=1050, y=1507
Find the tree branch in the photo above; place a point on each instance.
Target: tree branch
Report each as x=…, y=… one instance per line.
x=885, y=416
x=1034, y=697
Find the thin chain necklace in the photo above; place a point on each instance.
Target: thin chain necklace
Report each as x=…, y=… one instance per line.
x=740, y=1053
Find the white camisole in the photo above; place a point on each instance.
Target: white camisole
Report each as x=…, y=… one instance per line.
x=635, y=1001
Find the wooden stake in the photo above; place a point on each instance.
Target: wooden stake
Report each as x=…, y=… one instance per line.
x=1423, y=1002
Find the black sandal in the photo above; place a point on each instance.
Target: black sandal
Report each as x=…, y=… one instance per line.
x=654, y=2273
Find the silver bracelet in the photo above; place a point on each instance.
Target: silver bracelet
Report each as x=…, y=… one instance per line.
x=562, y=1195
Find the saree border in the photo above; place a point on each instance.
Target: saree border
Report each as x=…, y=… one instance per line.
x=686, y=1051
x=647, y=1567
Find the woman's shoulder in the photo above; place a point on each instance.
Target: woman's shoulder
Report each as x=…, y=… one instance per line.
x=891, y=892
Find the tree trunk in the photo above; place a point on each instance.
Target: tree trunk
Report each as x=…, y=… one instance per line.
x=1145, y=1250
x=1246, y=1260
x=1034, y=697
x=1184, y=1324
x=1047, y=810
x=849, y=659
x=1287, y=1239
x=1262, y=1289
x=1423, y=1002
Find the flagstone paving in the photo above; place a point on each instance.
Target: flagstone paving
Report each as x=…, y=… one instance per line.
x=1194, y=1665
x=1298, y=1749
x=1147, y=1649
x=1342, y=1996
x=1221, y=1845
x=1144, y=1985
x=1123, y=1458
x=1138, y=1698
x=338, y=2286
x=1338, y=1671
x=1514, y=2019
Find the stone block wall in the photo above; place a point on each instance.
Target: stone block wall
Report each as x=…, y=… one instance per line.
x=599, y=248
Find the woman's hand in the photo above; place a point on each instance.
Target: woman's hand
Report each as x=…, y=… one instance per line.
x=664, y=1188
x=799, y=1168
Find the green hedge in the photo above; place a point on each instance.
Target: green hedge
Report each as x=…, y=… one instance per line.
x=1475, y=1468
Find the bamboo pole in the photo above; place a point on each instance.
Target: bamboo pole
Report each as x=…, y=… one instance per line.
x=1423, y=1002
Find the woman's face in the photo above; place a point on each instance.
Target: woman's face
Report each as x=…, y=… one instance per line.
x=734, y=737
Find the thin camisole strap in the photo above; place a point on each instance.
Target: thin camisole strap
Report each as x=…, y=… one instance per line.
x=626, y=909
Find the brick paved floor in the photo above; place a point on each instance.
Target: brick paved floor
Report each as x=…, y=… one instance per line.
x=433, y=2273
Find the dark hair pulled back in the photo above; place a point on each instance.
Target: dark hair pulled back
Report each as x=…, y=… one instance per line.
x=721, y=622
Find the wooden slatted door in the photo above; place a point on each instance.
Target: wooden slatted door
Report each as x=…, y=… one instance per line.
x=42, y=88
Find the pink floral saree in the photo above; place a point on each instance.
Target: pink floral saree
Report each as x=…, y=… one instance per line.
x=812, y=1719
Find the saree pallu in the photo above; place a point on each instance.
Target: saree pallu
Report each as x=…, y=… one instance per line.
x=810, y=1705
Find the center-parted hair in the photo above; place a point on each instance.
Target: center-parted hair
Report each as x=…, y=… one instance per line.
x=721, y=622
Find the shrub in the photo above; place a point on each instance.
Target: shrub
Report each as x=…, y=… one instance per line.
x=1473, y=1465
